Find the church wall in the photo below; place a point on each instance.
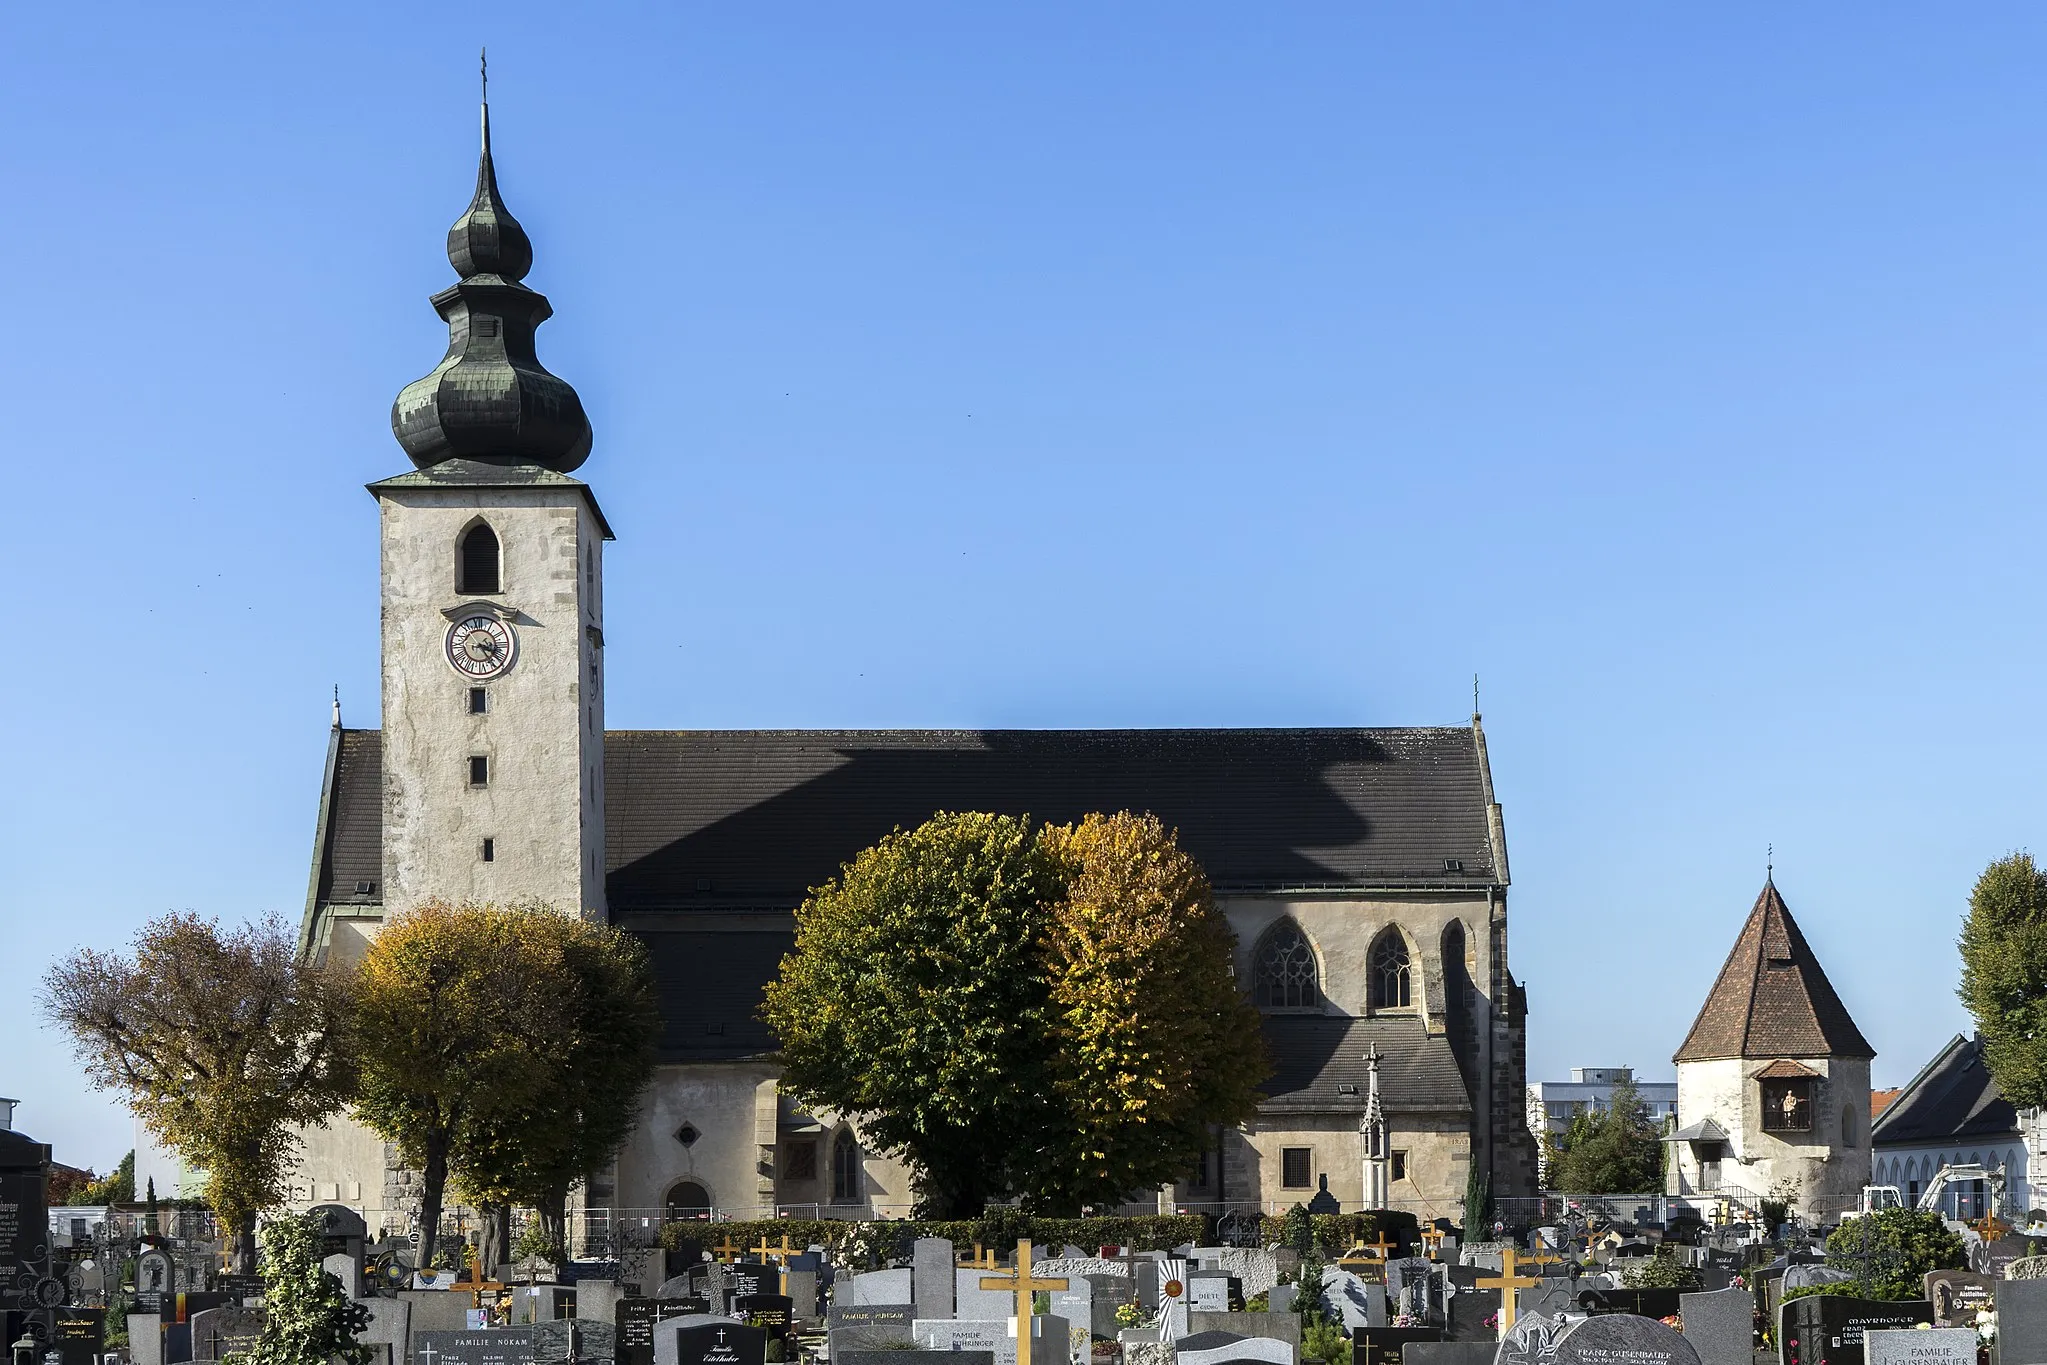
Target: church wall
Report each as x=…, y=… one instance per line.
x=543, y=721
x=721, y=1101
x=1438, y=1154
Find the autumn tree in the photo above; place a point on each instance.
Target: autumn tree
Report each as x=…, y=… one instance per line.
x=454, y=1005
x=2004, y=975
x=220, y=1041
x=915, y=1000
x=1044, y=1012
x=1148, y=1037
x=595, y=1066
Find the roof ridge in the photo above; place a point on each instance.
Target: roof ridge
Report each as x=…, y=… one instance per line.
x=1765, y=1005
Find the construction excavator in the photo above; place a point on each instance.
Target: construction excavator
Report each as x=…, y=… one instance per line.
x=1878, y=1197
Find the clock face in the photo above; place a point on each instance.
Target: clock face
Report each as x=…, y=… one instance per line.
x=480, y=646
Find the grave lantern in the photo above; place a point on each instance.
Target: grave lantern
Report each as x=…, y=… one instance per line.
x=24, y=1351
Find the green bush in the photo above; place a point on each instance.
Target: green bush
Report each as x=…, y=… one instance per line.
x=1895, y=1248
x=999, y=1231
x=1337, y=1233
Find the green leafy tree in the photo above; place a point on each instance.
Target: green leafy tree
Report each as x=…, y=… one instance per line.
x=594, y=1067
x=1478, y=1204
x=1616, y=1150
x=1149, y=1038
x=118, y=1187
x=1298, y=1232
x=2004, y=975
x=1661, y=1271
x=1890, y=1251
x=220, y=1041
x=914, y=1000
x=456, y=1004
x=308, y=1318
x=1050, y=1013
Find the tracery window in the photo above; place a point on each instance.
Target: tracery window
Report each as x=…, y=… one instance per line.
x=1285, y=976
x=845, y=1167
x=1392, y=974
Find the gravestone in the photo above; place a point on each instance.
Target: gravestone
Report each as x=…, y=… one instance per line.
x=676, y=1287
x=1958, y=1296
x=1468, y=1309
x=1623, y=1337
x=597, y=1301
x=1108, y=1293
x=152, y=1275
x=1826, y=1329
x=1348, y=1296
x=751, y=1277
x=1642, y=1303
x=390, y=1321
x=1416, y=1288
x=633, y=1322
x=880, y=1287
x=708, y=1341
x=933, y=1277
x=491, y=1346
x=1221, y=1348
x=78, y=1336
x=801, y=1287
x=1551, y=1298
x=1388, y=1345
x=1208, y=1291
x=869, y=1327
x=145, y=1339
x=1076, y=1304
x=1284, y=1327
x=993, y=1336
x=2022, y=1321
x=348, y=1270
x=218, y=1332
x=1173, y=1299
x=1940, y=1346
x=1449, y=1353
x=771, y=1311
x=1530, y=1341
x=1806, y=1276
x=1720, y=1326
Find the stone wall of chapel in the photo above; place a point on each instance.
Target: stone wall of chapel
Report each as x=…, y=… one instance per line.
x=1823, y=1171
x=732, y=1107
x=1342, y=931
x=1438, y=1155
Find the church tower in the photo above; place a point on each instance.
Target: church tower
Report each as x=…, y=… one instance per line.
x=493, y=639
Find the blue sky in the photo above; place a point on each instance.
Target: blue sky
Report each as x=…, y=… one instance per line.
x=1680, y=373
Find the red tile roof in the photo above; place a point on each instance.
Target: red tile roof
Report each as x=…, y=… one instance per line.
x=1771, y=999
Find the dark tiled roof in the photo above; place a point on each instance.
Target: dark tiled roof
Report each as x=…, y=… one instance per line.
x=764, y=815
x=1314, y=1056
x=1772, y=999
x=710, y=983
x=1954, y=1098
x=761, y=816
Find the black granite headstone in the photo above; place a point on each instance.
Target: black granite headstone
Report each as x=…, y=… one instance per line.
x=79, y=1335
x=771, y=1311
x=1826, y=1329
x=1383, y=1345
x=752, y=1277
x=25, y=1279
x=633, y=1320
x=1959, y=1295
x=1623, y=1339
x=716, y=1343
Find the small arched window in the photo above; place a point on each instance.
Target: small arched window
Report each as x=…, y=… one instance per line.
x=1284, y=976
x=1847, y=1125
x=845, y=1168
x=476, y=564
x=1392, y=974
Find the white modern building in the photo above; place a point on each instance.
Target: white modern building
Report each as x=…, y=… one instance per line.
x=1952, y=1114
x=1552, y=1104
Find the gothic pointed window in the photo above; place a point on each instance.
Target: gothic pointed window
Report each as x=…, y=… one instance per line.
x=1392, y=973
x=845, y=1168
x=1284, y=975
x=476, y=564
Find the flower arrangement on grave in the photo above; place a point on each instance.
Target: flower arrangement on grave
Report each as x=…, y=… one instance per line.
x=1675, y=1321
x=1129, y=1315
x=1492, y=1321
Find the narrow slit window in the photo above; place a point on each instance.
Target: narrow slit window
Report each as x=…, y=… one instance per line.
x=490, y=850
x=476, y=566
x=479, y=770
x=479, y=700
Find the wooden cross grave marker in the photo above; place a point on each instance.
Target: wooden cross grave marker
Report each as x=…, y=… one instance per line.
x=980, y=1260
x=785, y=1251
x=1507, y=1283
x=727, y=1250
x=1432, y=1241
x=1382, y=1246
x=1025, y=1288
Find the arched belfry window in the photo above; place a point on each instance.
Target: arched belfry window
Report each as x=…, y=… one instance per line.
x=1284, y=975
x=845, y=1168
x=1392, y=973
x=476, y=564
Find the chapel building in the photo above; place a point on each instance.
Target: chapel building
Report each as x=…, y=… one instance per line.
x=1364, y=870
x=1773, y=1080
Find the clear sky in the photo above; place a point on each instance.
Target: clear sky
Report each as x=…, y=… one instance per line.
x=1681, y=372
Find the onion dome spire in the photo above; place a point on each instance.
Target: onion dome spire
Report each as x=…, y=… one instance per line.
x=490, y=400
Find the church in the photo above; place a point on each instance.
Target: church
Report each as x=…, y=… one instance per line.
x=1363, y=870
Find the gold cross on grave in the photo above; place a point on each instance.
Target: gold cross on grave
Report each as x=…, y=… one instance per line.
x=980, y=1260
x=1432, y=1241
x=1024, y=1287
x=1382, y=1246
x=728, y=1251
x=785, y=1251
x=1507, y=1283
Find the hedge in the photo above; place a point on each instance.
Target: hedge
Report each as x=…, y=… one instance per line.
x=1336, y=1233
x=999, y=1231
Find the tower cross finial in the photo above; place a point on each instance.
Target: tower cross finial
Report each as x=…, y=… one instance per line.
x=483, y=70
x=1770, y=863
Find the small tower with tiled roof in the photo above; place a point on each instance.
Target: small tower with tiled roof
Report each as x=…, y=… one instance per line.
x=1773, y=1079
